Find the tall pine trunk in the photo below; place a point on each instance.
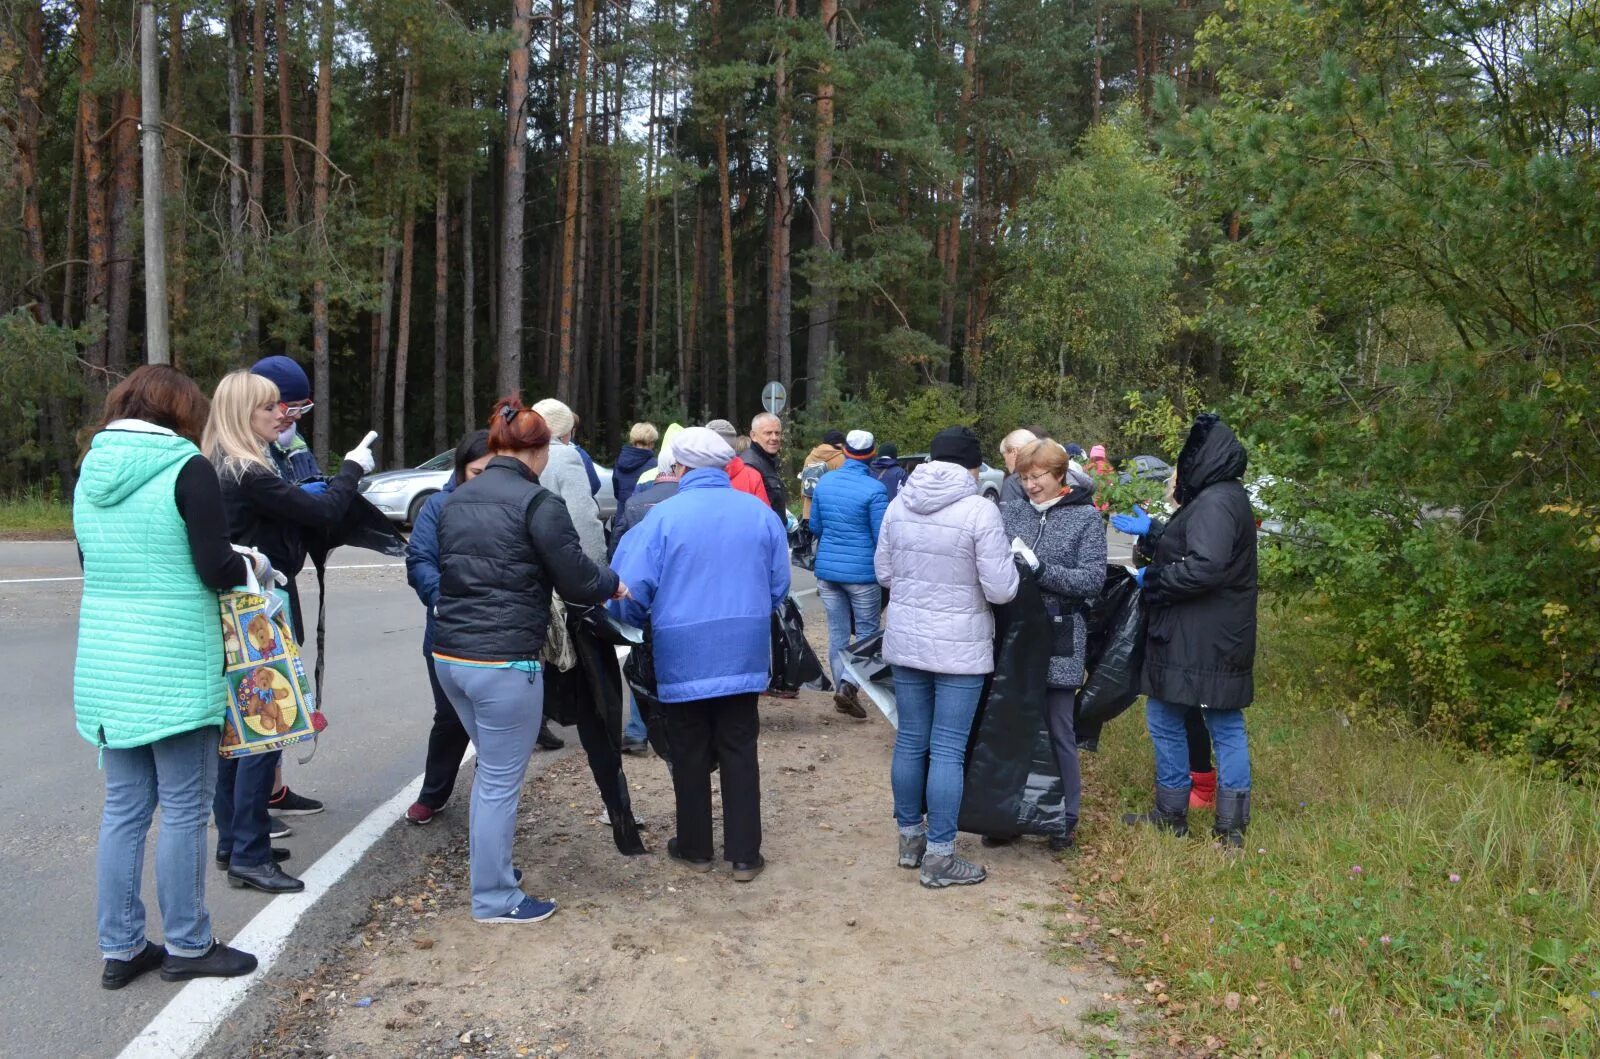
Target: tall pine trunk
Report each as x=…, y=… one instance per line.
x=258, y=156
x=97, y=228
x=408, y=246
x=124, y=185
x=291, y=175
x=441, y=302
x=574, y=208
x=823, y=301
x=320, y=363
x=783, y=209
x=508, y=352
x=469, y=311
x=28, y=155
x=952, y=237
x=177, y=177
x=237, y=207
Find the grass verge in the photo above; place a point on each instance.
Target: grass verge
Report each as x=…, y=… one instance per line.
x=35, y=512
x=1393, y=898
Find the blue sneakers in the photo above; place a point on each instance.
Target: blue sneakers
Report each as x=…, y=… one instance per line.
x=531, y=910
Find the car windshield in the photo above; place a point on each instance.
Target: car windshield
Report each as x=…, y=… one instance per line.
x=441, y=462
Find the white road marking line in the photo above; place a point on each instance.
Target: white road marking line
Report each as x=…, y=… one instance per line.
x=46, y=580
x=183, y=1027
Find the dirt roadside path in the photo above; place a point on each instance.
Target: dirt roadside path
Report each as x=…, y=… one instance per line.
x=834, y=950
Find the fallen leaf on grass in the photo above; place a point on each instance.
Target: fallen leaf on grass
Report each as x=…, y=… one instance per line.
x=1231, y=1001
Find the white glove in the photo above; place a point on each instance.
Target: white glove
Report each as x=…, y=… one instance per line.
x=1025, y=553
x=362, y=453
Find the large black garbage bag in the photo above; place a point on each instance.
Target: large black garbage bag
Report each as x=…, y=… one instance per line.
x=589, y=697
x=803, y=548
x=640, y=672
x=794, y=664
x=1013, y=784
x=1114, y=655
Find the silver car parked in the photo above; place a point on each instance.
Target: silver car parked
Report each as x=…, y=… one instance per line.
x=401, y=494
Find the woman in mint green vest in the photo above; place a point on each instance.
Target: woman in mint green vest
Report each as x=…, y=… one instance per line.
x=148, y=688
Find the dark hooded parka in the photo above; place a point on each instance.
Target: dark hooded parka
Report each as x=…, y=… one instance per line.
x=1200, y=587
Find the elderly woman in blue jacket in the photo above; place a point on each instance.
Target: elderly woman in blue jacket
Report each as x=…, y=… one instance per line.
x=710, y=614
x=846, y=512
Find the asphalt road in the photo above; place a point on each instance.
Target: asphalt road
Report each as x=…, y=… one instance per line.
x=379, y=706
x=377, y=700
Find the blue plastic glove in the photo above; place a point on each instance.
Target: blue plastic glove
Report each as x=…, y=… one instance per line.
x=1136, y=524
x=1138, y=576
x=315, y=488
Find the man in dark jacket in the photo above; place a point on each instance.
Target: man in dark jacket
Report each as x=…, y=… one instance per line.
x=294, y=459
x=886, y=469
x=766, y=441
x=1200, y=592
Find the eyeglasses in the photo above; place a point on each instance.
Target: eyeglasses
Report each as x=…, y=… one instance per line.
x=295, y=411
x=1038, y=476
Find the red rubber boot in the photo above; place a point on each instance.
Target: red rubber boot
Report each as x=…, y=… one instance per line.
x=1203, y=789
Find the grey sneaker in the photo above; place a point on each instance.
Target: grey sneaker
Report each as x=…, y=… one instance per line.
x=912, y=848
x=941, y=871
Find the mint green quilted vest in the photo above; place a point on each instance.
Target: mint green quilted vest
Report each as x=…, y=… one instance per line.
x=149, y=637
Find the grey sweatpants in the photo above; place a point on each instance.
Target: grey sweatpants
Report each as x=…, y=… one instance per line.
x=500, y=709
x=1059, y=703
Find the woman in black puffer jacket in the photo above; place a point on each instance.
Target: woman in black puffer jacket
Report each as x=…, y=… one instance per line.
x=1058, y=532
x=505, y=542
x=1200, y=643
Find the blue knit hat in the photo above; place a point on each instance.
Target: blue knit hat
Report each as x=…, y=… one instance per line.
x=290, y=377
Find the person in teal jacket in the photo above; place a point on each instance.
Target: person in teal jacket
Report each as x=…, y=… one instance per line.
x=148, y=689
x=846, y=512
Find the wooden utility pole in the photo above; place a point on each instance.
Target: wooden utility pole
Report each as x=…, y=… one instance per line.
x=158, y=339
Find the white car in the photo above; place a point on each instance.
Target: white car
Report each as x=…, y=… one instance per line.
x=401, y=494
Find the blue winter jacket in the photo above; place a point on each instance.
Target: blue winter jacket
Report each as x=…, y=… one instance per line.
x=706, y=568
x=631, y=463
x=422, y=557
x=588, y=469
x=846, y=511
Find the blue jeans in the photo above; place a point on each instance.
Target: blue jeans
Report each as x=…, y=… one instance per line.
x=1228, y=745
x=930, y=749
x=177, y=773
x=244, y=785
x=839, y=602
x=500, y=709
x=634, y=731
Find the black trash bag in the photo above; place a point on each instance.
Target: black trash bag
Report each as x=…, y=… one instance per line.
x=794, y=664
x=640, y=671
x=1113, y=657
x=1013, y=784
x=589, y=697
x=803, y=548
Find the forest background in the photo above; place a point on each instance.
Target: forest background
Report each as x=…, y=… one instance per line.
x=1367, y=232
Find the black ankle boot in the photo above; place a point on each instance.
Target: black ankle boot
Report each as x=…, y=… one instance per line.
x=1171, y=812
x=1233, y=816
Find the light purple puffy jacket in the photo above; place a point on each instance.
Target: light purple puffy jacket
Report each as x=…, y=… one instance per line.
x=944, y=556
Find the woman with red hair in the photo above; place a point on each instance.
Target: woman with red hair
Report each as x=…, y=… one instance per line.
x=505, y=542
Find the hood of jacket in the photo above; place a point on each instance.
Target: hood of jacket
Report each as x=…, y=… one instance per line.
x=125, y=456
x=824, y=453
x=935, y=486
x=1212, y=454
x=633, y=458
x=884, y=463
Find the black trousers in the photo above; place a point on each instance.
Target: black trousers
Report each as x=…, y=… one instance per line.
x=726, y=727
x=1194, y=725
x=447, y=745
x=240, y=806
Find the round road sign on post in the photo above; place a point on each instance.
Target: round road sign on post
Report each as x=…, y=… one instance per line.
x=774, y=398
